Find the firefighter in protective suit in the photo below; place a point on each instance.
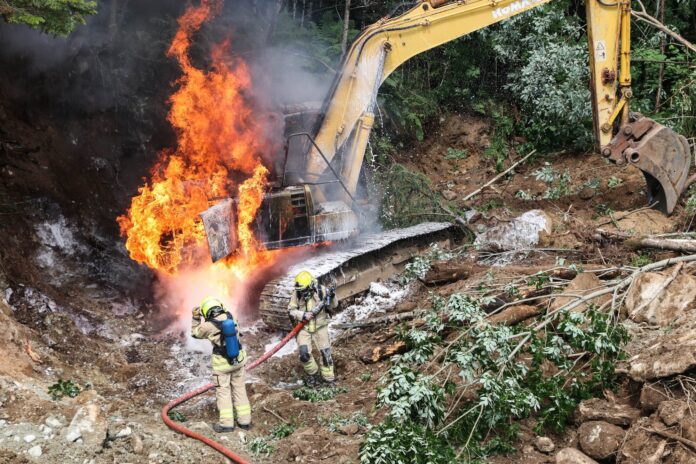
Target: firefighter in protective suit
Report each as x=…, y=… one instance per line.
x=228, y=374
x=307, y=295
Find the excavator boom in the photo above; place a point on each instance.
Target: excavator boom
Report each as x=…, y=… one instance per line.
x=321, y=205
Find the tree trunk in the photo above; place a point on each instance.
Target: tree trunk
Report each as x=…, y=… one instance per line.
x=661, y=73
x=346, y=27
x=274, y=20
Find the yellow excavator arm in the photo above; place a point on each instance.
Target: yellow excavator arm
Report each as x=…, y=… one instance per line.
x=312, y=211
x=348, y=113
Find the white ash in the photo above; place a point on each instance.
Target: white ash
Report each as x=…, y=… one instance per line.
x=58, y=234
x=381, y=297
x=289, y=347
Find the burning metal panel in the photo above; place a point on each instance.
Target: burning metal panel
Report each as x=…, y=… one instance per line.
x=219, y=223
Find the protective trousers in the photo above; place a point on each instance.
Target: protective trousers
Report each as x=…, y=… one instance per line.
x=231, y=395
x=321, y=340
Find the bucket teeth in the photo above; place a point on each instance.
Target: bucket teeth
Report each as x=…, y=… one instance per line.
x=660, y=153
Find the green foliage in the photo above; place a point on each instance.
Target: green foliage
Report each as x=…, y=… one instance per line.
x=614, y=182
x=604, y=209
x=641, y=259
x=420, y=265
x=58, y=17
x=261, y=446
x=177, y=416
x=517, y=373
x=546, y=57
x=538, y=280
x=404, y=442
x=63, y=388
x=558, y=183
x=365, y=377
x=281, y=431
x=314, y=395
x=456, y=154
x=407, y=197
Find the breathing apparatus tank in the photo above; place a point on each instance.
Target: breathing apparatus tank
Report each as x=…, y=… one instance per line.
x=229, y=333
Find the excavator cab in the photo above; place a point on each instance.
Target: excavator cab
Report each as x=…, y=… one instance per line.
x=294, y=213
x=662, y=155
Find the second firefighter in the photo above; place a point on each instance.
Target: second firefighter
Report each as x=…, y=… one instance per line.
x=307, y=296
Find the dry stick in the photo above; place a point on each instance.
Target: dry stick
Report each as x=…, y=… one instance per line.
x=671, y=436
x=618, y=218
x=276, y=415
x=496, y=178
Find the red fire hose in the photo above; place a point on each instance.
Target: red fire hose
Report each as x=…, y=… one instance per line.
x=212, y=443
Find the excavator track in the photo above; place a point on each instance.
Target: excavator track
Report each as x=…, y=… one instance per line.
x=354, y=266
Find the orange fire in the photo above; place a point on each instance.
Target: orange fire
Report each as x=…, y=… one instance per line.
x=218, y=140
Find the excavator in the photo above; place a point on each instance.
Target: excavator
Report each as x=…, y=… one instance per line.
x=316, y=198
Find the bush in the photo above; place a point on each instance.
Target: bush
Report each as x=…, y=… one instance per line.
x=63, y=388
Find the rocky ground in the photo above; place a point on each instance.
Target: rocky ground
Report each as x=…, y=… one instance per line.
x=73, y=307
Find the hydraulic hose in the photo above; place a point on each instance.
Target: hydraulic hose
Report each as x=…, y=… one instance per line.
x=199, y=391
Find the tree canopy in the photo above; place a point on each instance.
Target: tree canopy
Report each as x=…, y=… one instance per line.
x=58, y=17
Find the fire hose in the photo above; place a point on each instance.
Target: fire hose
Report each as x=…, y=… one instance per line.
x=199, y=391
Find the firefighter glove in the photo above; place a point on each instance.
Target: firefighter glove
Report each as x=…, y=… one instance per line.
x=196, y=312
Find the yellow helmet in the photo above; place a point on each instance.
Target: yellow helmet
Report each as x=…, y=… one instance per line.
x=208, y=304
x=303, y=280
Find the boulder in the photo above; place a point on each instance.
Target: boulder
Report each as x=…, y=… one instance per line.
x=35, y=451
x=350, y=429
x=449, y=195
x=650, y=301
x=600, y=440
x=597, y=409
x=668, y=354
x=583, y=284
x=573, y=456
x=521, y=233
x=640, y=446
x=53, y=422
x=544, y=444
x=89, y=424
x=672, y=412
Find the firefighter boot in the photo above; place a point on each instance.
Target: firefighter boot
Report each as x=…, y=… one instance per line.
x=223, y=428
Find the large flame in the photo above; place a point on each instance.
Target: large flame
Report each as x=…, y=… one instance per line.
x=218, y=141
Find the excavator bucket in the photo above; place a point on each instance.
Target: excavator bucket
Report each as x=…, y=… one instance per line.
x=662, y=155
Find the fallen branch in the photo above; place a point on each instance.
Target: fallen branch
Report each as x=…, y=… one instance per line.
x=498, y=177
x=671, y=244
x=672, y=436
x=514, y=315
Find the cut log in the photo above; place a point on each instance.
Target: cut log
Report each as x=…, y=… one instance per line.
x=379, y=353
x=444, y=272
x=514, y=315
